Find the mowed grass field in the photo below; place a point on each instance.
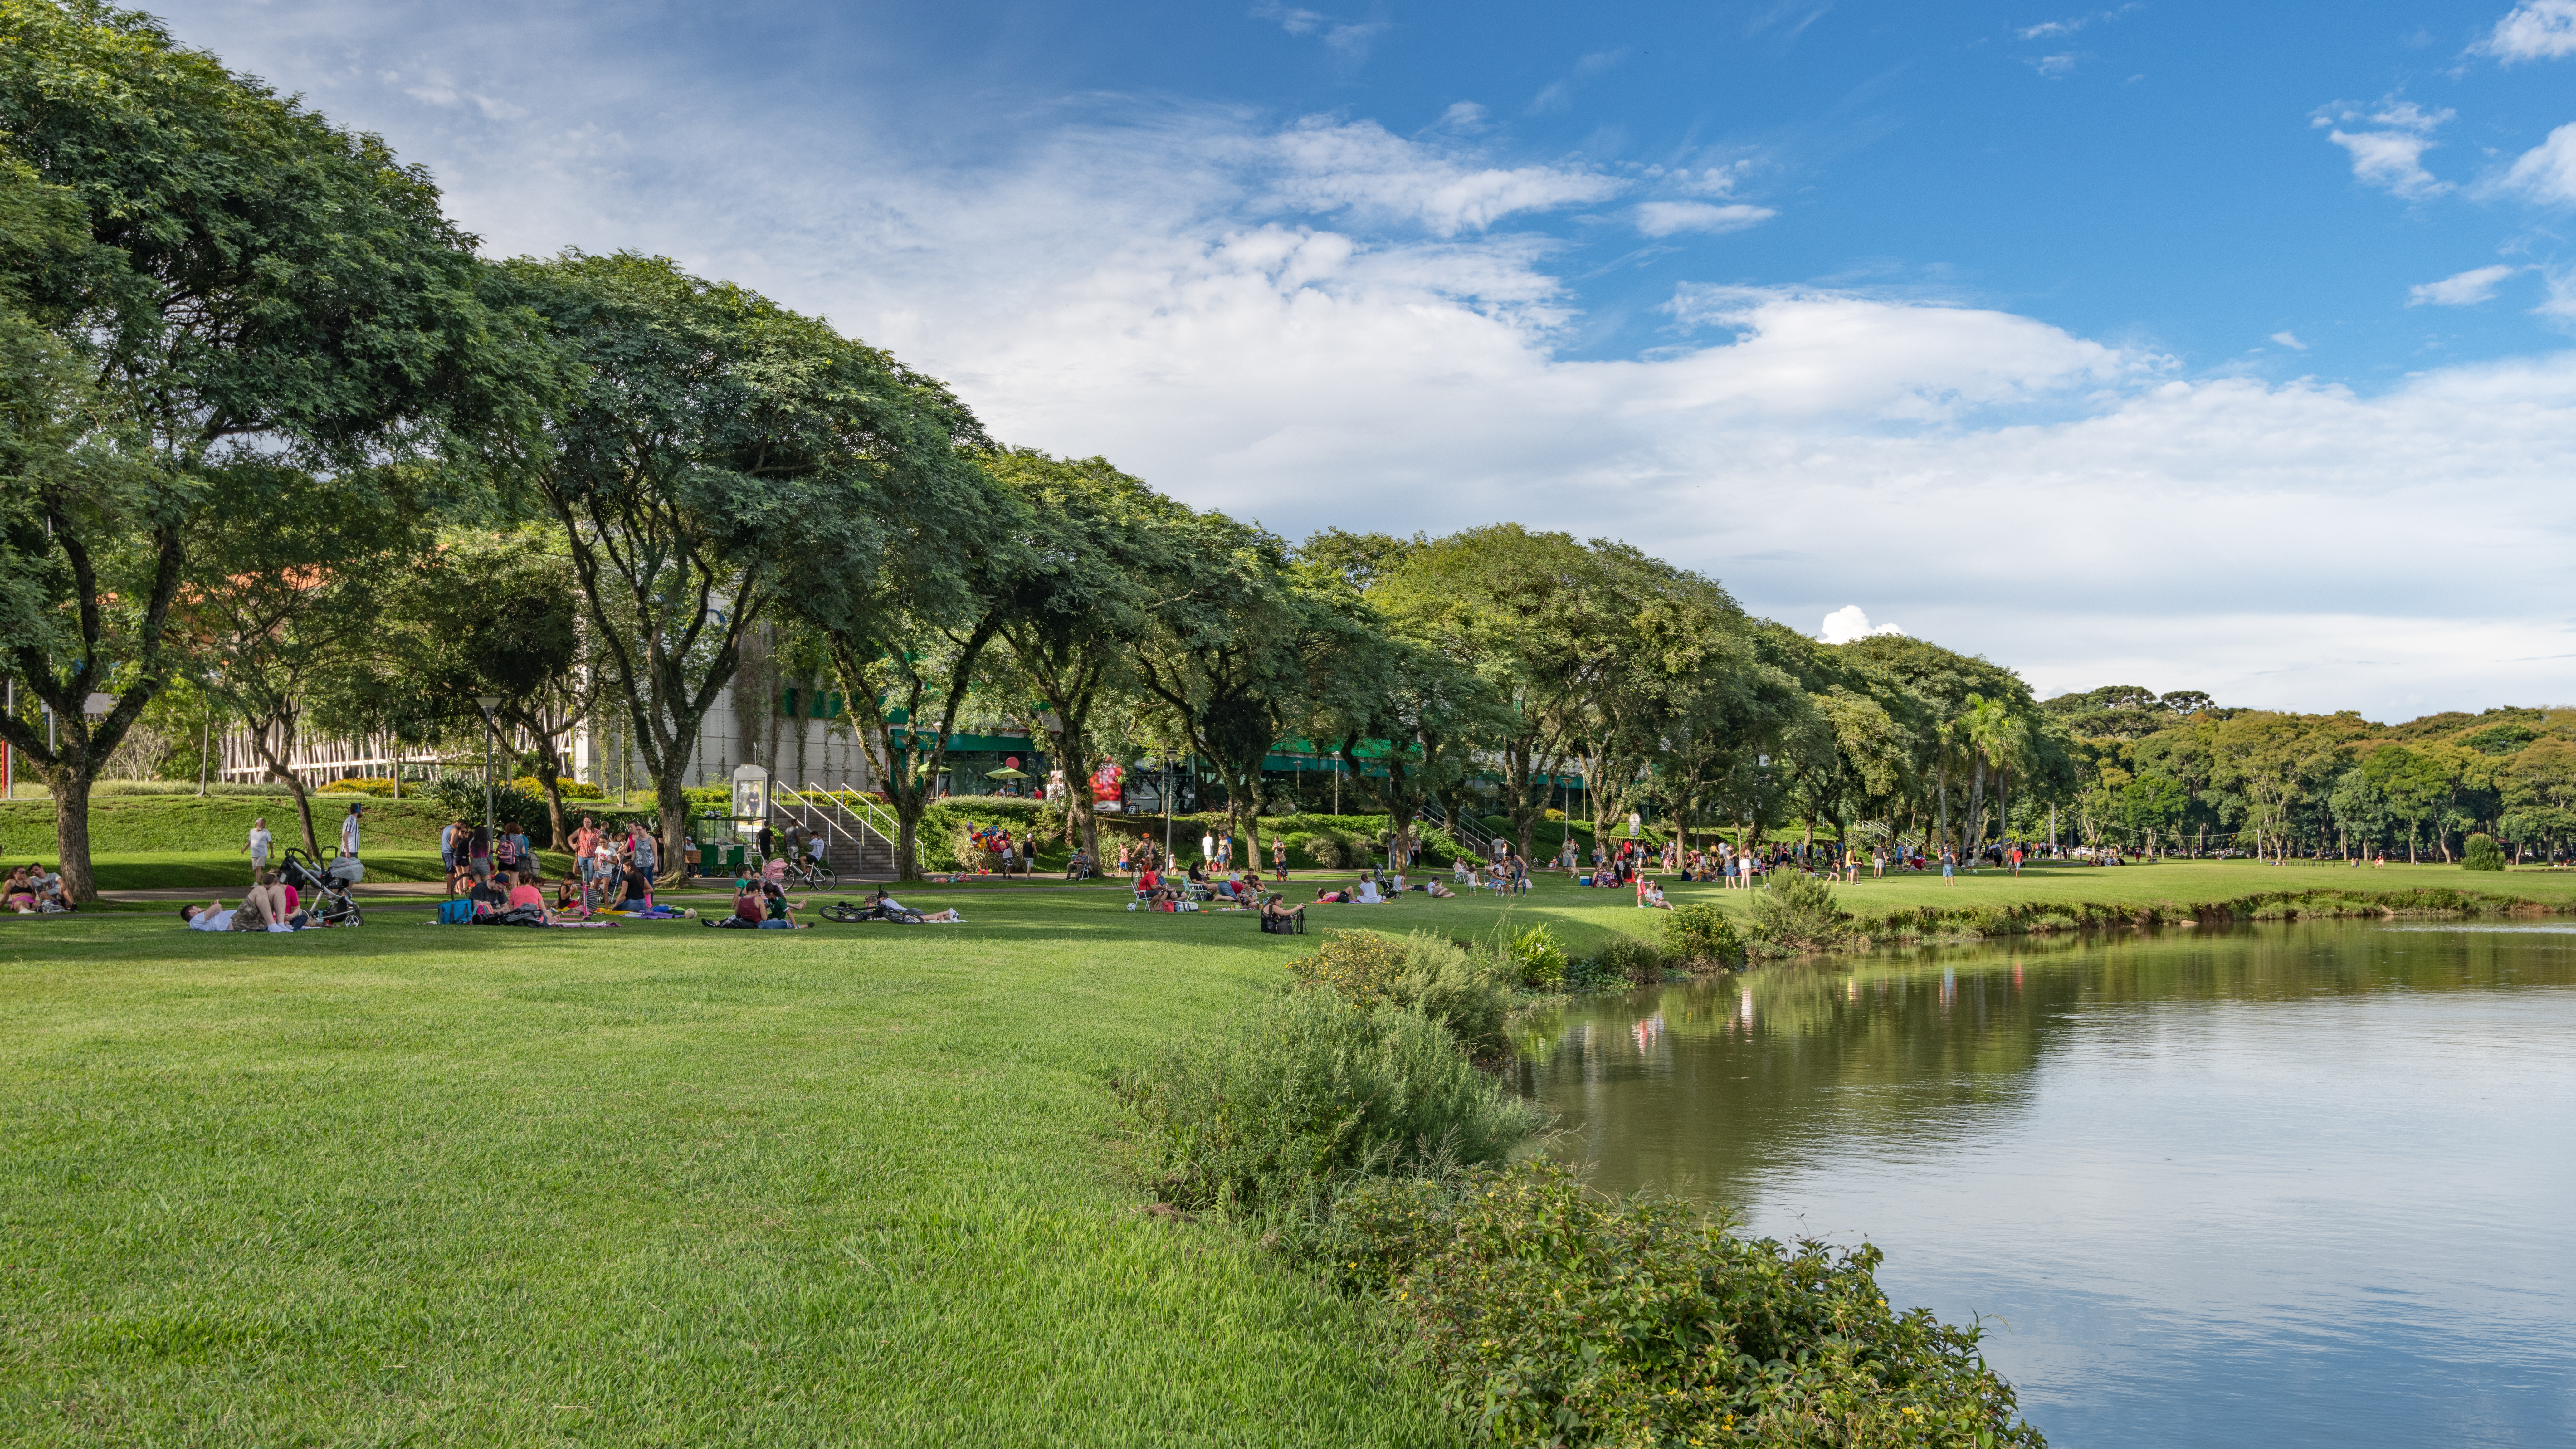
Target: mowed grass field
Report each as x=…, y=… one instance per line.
x=666, y=1185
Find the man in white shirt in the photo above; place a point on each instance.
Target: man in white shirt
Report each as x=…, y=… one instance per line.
x=349, y=831
x=1207, y=845
x=258, y=845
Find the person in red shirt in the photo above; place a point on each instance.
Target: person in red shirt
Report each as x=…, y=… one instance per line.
x=585, y=849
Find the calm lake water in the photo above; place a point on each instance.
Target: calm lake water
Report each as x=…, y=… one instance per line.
x=2274, y=1185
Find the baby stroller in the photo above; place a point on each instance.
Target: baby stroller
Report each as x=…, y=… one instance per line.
x=325, y=889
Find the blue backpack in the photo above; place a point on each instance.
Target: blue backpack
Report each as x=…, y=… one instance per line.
x=456, y=913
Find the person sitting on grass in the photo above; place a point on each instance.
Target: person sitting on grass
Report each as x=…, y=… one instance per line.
x=263, y=908
x=773, y=895
x=1367, y=894
x=523, y=891
x=1652, y=898
x=1271, y=910
x=751, y=910
x=19, y=894
x=638, y=892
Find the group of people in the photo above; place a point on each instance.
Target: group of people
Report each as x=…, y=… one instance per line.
x=1215, y=855
x=612, y=874
x=269, y=904
x=1508, y=872
x=1377, y=889
x=32, y=890
x=1159, y=891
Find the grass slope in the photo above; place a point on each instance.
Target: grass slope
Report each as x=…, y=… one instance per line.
x=661, y=1185
x=656, y=1185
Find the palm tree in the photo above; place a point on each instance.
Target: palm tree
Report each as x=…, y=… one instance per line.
x=1994, y=741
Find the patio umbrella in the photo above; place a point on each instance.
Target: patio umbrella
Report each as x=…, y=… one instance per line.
x=1006, y=773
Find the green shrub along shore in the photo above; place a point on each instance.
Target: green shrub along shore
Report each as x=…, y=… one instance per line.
x=1344, y=1120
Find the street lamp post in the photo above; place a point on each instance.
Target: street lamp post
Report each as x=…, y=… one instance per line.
x=490, y=737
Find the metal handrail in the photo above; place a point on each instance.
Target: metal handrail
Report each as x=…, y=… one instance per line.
x=1475, y=835
x=831, y=811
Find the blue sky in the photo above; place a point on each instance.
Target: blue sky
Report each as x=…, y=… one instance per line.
x=2185, y=345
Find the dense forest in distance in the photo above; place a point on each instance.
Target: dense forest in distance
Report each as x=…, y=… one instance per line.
x=2178, y=766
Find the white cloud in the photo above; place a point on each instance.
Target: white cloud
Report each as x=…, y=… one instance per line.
x=2053, y=66
x=1847, y=623
x=1351, y=38
x=2290, y=340
x=2559, y=305
x=2464, y=289
x=1664, y=218
x=2534, y=30
x=2050, y=29
x=1327, y=324
x=2392, y=158
x=2547, y=172
x=1359, y=169
x=1463, y=117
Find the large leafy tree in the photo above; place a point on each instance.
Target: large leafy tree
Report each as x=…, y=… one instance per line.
x=1241, y=649
x=1080, y=599
x=193, y=272
x=1946, y=682
x=487, y=611
x=2281, y=763
x=287, y=581
x=1531, y=614
x=713, y=451
x=1672, y=651
x=1405, y=718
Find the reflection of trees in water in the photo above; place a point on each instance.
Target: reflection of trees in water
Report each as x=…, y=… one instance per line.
x=1703, y=1087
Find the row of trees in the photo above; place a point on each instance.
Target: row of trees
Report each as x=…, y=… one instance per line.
x=2281, y=784
x=280, y=445
x=277, y=436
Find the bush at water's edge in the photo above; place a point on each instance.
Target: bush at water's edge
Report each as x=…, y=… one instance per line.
x=1346, y=1117
x=1968, y=922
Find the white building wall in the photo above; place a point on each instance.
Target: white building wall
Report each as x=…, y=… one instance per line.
x=831, y=754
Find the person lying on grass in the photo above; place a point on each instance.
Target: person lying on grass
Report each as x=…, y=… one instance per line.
x=884, y=907
x=263, y=908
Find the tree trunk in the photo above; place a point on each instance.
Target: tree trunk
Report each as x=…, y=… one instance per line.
x=671, y=804
x=71, y=834
x=909, y=806
x=274, y=739
x=1942, y=783
x=303, y=812
x=550, y=777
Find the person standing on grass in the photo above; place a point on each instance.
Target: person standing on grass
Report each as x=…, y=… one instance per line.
x=1946, y=865
x=349, y=831
x=585, y=854
x=447, y=845
x=1279, y=857
x=259, y=844
x=1207, y=845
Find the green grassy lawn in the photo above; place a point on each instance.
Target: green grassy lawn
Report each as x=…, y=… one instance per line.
x=664, y=1185
x=216, y=871
x=650, y=1185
